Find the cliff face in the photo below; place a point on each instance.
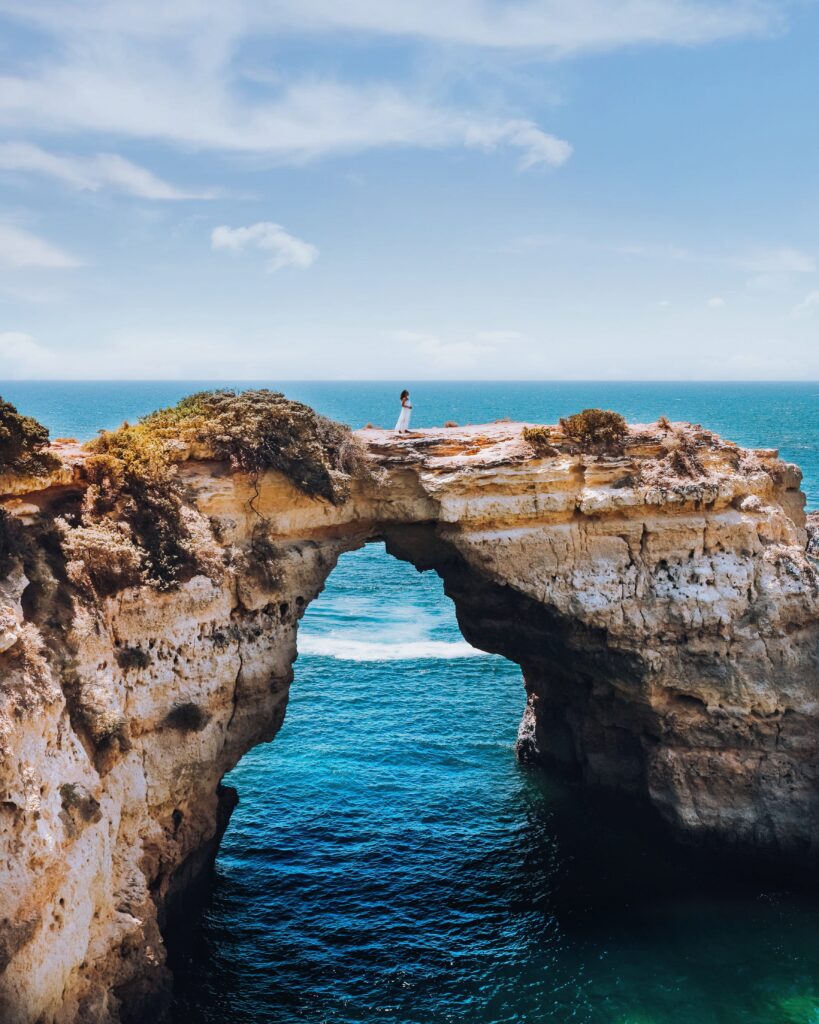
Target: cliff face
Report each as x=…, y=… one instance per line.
x=665, y=614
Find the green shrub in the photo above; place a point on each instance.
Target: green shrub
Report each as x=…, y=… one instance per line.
x=22, y=443
x=540, y=440
x=595, y=429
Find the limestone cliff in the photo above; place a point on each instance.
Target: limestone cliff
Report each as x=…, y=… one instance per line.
x=661, y=604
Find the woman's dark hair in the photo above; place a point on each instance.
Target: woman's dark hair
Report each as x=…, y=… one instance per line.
x=404, y=394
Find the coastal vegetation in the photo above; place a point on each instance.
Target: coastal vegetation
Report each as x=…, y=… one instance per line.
x=254, y=430
x=540, y=440
x=680, y=448
x=592, y=431
x=23, y=451
x=23, y=443
x=595, y=429
x=135, y=524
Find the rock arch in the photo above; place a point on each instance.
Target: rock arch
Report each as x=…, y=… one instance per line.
x=666, y=627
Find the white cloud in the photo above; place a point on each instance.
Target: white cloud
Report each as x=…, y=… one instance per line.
x=172, y=73
x=20, y=249
x=186, y=104
x=286, y=250
x=538, y=146
x=176, y=72
x=556, y=27
x=36, y=295
x=495, y=338
x=22, y=356
x=775, y=269
x=118, y=355
x=92, y=173
x=454, y=354
x=806, y=306
x=784, y=260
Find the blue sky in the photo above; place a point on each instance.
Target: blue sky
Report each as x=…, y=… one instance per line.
x=390, y=189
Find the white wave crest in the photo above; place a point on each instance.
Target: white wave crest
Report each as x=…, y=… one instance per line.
x=366, y=650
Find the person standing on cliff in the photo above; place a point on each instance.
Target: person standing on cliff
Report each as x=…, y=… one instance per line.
x=402, y=426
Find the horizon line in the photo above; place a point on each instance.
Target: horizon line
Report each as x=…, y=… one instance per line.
x=407, y=380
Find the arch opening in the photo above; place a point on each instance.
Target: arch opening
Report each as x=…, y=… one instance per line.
x=390, y=857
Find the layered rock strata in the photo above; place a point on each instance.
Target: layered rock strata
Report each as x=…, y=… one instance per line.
x=665, y=614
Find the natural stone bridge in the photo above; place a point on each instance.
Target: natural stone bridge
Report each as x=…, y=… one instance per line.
x=667, y=627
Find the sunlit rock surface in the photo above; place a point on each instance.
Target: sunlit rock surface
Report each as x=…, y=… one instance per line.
x=667, y=626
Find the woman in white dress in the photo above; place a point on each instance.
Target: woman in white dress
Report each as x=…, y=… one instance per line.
x=402, y=426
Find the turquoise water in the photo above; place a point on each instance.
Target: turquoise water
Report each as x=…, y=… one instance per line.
x=390, y=860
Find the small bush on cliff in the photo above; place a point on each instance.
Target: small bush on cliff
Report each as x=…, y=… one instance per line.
x=133, y=482
x=595, y=430
x=29, y=654
x=187, y=717
x=132, y=658
x=539, y=440
x=22, y=443
x=101, y=559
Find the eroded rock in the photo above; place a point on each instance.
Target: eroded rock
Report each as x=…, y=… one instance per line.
x=664, y=611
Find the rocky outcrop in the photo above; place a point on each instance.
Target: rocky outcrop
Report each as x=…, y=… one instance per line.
x=661, y=603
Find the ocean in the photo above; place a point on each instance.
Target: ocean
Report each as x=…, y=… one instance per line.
x=391, y=861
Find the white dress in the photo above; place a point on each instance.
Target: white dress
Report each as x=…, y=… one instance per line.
x=404, y=418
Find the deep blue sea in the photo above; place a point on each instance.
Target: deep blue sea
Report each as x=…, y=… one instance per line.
x=390, y=860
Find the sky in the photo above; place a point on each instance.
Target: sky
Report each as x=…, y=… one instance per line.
x=409, y=189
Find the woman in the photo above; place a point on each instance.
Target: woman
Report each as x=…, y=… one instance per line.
x=402, y=425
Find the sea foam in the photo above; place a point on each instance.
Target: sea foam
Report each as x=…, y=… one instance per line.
x=348, y=649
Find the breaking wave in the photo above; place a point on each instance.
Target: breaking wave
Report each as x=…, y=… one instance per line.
x=368, y=650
